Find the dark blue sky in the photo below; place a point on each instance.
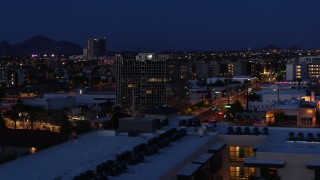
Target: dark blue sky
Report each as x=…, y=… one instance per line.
x=165, y=24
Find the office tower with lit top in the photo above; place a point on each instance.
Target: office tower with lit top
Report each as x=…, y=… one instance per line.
x=141, y=83
x=96, y=48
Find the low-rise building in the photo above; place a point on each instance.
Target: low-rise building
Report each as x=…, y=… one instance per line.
x=181, y=150
x=55, y=103
x=268, y=98
x=89, y=99
x=300, y=114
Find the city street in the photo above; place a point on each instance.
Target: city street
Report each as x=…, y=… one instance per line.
x=207, y=114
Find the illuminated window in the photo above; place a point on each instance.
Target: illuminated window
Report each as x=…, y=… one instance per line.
x=239, y=153
x=131, y=85
x=148, y=92
x=237, y=173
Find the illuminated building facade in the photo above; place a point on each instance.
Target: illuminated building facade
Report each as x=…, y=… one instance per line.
x=305, y=68
x=141, y=83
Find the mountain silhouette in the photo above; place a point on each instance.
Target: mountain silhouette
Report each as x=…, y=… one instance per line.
x=40, y=44
x=270, y=47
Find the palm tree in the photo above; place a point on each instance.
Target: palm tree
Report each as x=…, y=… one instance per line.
x=65, y=125
x=33, y=113
x=13, y=115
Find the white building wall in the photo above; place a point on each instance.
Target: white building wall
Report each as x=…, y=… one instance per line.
x=37, y=102
x=53, y=103
x=295, y=164
x=289, y=72
x=86, y=99
x=272, y=96
x=235, y=140
x=60, y=103
x=260, y=106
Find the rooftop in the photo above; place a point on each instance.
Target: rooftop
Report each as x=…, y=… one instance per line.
x=282, y=92
x=277, y=141
x=74, y=157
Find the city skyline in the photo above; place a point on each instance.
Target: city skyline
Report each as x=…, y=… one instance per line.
x=166, y=25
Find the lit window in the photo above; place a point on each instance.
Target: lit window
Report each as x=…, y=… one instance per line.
x=237, y=172
x=239, y=153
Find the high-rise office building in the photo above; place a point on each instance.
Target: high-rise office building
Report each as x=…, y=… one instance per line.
x=178, y=74
x=141, y=83
x=96, y=47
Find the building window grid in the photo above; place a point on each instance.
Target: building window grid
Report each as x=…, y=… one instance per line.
x=306, y=121
x=239, y=153
x=240, y=172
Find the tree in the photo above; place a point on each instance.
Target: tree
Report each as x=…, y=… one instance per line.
x=83, y=127
x=117, y=113
x=236, y=82
x=65, y=125
x=20, y=105
x=3, y=85
x=218, y=83
x=228, y=79
x=235, y=107
x=253, y=97
x=246, y=83
x=33, y=113
x=13, y=115
x=106, y=108
x=2, y=123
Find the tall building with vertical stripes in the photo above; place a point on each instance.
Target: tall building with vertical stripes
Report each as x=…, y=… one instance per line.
x=141, y=82
x=96, y=47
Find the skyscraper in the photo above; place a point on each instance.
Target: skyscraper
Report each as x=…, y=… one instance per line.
x=141, y=83
x=96, y=47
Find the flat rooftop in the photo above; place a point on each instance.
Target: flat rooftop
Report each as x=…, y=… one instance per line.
x=76, y=156
x=277, y=141
x=282, y=92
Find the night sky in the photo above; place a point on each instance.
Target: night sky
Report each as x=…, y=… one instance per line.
x=165, y=24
